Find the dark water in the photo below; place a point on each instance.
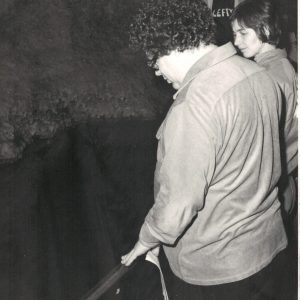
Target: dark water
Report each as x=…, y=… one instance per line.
x=71, y=207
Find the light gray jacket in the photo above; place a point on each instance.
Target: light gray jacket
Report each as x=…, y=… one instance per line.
x=218, y=162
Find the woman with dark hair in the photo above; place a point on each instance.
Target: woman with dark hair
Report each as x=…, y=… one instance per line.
x=259, y=21
x=222, y=10
x=257, y=33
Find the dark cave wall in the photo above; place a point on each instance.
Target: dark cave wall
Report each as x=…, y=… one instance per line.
x=63, y=62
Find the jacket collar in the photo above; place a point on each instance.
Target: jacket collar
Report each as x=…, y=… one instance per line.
x=268, y=57
x=208, y=60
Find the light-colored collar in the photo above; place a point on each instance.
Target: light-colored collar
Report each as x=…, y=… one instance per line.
x=269, y=56
x=208, y=60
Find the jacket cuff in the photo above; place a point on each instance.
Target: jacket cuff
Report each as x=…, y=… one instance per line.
x=146, y=237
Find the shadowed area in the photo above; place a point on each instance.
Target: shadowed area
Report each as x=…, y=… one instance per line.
x=64, y=62
x=71, y=207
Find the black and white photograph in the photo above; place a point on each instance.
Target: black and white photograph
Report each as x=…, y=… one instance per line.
x=149, y=150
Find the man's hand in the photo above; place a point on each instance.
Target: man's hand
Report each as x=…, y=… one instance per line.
x=138, y=250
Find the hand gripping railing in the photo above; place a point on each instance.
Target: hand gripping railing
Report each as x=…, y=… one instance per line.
x=117, y=273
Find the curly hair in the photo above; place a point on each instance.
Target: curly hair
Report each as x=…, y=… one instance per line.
x=262, y=16
x=161, y=26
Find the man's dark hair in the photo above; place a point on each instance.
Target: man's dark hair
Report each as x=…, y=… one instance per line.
x=262, y=16
x=161, y=26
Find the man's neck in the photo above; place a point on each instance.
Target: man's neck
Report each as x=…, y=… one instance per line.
x=189, y=57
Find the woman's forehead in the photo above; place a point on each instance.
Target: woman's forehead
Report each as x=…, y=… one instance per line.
x=238, y=25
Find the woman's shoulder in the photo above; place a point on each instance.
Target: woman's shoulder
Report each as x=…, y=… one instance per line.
x=282, y=68
x=277, y=65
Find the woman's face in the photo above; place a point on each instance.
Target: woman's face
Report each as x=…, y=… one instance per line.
x=246, y=40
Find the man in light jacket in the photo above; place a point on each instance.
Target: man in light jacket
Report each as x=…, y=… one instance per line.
x=216, y=209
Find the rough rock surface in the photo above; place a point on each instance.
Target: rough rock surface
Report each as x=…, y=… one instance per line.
x=67, y=61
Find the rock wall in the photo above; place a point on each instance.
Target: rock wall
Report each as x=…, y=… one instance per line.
x=67, y=61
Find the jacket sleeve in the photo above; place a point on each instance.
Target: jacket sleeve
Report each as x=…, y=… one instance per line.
x=185, y=166
x=291, y=128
